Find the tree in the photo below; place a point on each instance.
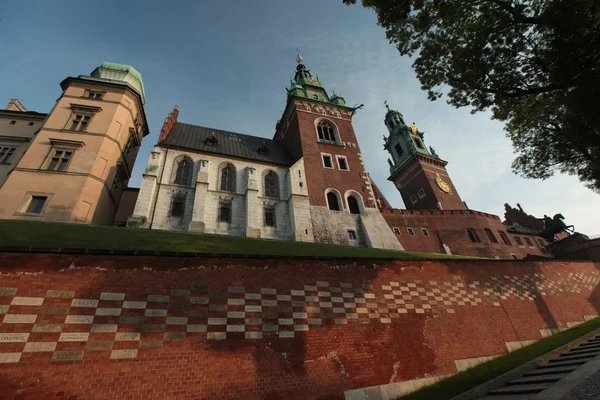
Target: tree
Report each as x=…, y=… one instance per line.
x=534, y=63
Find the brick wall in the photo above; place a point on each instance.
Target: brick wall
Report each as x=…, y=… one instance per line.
x=100, y=327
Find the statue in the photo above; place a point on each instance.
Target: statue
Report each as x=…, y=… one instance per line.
x=433, y=153
x=380, y=204
x=413, y=128
x=554, y=226
x=298, y=57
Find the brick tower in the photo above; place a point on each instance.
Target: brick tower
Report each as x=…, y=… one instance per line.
x=419, y=174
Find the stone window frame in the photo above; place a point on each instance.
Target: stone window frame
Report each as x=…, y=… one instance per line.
x=359, y=200
x=338, y=158
x=413, y=199
x=7, y=153
x=327, y=155
x=94, y=94
x=184, y=180
x=425, y=232
x=351, y=232
x=338, y=196
x=421, y=193
x=410, y=231
x=265, y=175
x=396, y=230
x=227, y=164
x=334, y=131
x=78, y=115
x=25, y=203
x=62, y=146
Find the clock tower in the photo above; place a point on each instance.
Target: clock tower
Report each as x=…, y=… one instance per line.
x=419, y=174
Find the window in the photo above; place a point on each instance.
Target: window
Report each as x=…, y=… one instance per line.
x=351, y=234
x=60, y=160
x=542, y=245
x=36, y=205
x=270, y=216
x=6, y=153
x=225, y=212
x=419, y=143
x=398, y=149
x=342, y=163
x=80, y=122
x=413, y=199
x=528, y=241
x=94, y=95
x=130, y=143
x=13, y=122
x=326, y=131
x=504, y=238
x=519, y=241
x=353, y=205
x=263, y=150
x=410, y=231
x=472, y=235
x=332, y=202
x=491, y=236
x=272, y=184
x=425, y=232
x=178, y=205
x=396, y=230
x=228, y=178
x=421, y=193
x=183, y=173
x=211, y=141
x=327, y=163
x=30, y=124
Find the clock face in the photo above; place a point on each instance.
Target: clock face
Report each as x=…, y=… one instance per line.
x=442, y=184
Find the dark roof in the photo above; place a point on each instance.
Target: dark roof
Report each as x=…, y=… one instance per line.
x=228, y=143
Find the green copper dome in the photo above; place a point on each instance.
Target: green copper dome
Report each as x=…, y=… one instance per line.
x=121, y=72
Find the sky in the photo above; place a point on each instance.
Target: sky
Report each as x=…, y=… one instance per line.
x=226, y=64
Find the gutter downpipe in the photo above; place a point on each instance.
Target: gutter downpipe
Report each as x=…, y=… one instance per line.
x=158, y=188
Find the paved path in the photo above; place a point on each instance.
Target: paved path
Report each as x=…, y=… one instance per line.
x=589, y=389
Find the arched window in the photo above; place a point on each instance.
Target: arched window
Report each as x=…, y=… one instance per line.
x=326, y=131
x=332, y=202
x=183, y=173
x=228, y=178
x=271, y=184
x=353, y=205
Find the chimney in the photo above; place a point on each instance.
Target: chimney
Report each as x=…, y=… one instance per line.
x=15, y=105
x=168, y=124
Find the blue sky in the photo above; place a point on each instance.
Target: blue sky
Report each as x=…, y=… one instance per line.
x=227, y=64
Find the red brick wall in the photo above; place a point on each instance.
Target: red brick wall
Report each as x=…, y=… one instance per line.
x=173, y=328
x=448, y=227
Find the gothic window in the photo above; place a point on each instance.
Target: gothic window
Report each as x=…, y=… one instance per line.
x=271, y=184
x=326, y=131
x=473, y=235
x=504, y=238
x=228, y=178
x=353, y=205
x=183, y=173
x=332, y=202
x=491, y=236
x=178, y=206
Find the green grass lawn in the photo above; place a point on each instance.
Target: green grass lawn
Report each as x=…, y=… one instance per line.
x=473, y=377
x=71, y=236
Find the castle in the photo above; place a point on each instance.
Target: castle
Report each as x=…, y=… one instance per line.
x=308, y=183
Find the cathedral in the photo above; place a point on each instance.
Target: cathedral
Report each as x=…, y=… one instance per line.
x=308, y=183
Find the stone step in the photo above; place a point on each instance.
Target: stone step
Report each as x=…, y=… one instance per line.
x=537, y=379
x=572, y=357
x=520, y=389
x=583, y=351
x=550, y=371
x=587, y=345
x=509, y=397
x=565, y=363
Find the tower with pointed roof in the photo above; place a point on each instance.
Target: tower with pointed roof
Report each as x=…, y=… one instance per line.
x=417, y=172
x=79, y=162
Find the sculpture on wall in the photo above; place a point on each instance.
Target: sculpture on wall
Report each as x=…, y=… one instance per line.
x=555, y=226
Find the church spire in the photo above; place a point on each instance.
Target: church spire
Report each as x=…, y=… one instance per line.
x=304, y=85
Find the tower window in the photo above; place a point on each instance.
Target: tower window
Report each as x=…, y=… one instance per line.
x=332, y=202
x=353, y=205
x=270, y=216
x=60, y=160
x=183, y=173
x=411, y=231
x=421, y=193
x=473, y=235
x=419, y=143
x=272, y=184
x=425, y=232
x=327, y=162
x=504, y=238
x=36, y=205
x=342, y=163
x=6, y=153
x=178, y=205
x=528, y=241
x=491, y=236
x=228, y=178
x=94, y=95
x=351, y=234
x=396, y=230
x=519, y=241
x=80, y=122
x=413, y=199
x=398, y=149
x=326, y=131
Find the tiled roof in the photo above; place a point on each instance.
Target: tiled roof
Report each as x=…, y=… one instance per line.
x=231, y=144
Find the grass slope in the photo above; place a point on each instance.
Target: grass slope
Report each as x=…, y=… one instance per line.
x=55, y=235
x=482, y=373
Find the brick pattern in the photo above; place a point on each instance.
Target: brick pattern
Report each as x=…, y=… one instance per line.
x=267, y=313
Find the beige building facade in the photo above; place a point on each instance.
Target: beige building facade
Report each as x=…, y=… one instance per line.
x=81, y=158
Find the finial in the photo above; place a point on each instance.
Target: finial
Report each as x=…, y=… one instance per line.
x=176, y=107
x=386, y=105
x=317, y=76
x=298, y=57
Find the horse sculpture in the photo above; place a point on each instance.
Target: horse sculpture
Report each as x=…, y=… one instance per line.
x=555, y=226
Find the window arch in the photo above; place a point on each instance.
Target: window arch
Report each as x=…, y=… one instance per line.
x=334, y=200
x=353, y=205
x=183, y=172
x=354, y=202
x=227, y=183
x=326, y=131
x=271, y=182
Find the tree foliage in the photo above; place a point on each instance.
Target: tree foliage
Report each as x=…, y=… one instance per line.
x=534, y=63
